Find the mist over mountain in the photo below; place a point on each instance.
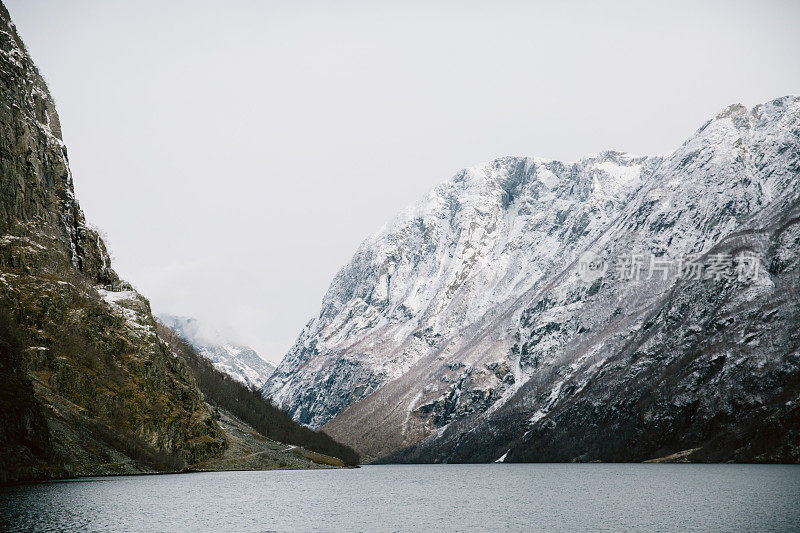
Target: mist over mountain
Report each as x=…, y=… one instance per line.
x=238, y=361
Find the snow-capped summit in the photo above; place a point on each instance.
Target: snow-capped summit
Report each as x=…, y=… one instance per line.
x=445, y=266
x=467, y=309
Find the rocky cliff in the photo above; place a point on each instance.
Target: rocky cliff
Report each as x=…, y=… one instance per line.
x=89, y=387
x=100, y=391
x=617, y=308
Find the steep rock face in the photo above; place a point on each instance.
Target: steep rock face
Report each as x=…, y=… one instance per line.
x=468, y=315
x=240, y=362
x=94, y=390
x=712, y=373
x=431, y=274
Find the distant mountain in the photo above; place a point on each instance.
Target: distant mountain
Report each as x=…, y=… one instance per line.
x=515, y=312
x=240, y=362
x=247, y=407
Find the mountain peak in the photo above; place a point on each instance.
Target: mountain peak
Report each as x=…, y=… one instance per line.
x=472, y=296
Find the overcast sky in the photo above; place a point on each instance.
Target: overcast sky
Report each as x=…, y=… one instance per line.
x=236, y=153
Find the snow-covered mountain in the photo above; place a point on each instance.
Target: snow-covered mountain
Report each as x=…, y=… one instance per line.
x=240, y=362
x=472, y=322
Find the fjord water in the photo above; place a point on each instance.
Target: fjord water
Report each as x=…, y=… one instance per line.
x=611, y=497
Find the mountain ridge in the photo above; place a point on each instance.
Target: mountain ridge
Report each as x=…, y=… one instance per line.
x=447, y=312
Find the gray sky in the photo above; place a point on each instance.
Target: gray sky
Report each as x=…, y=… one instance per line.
x=236, y=153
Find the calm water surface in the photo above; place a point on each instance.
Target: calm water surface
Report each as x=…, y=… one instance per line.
x=438, y=498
